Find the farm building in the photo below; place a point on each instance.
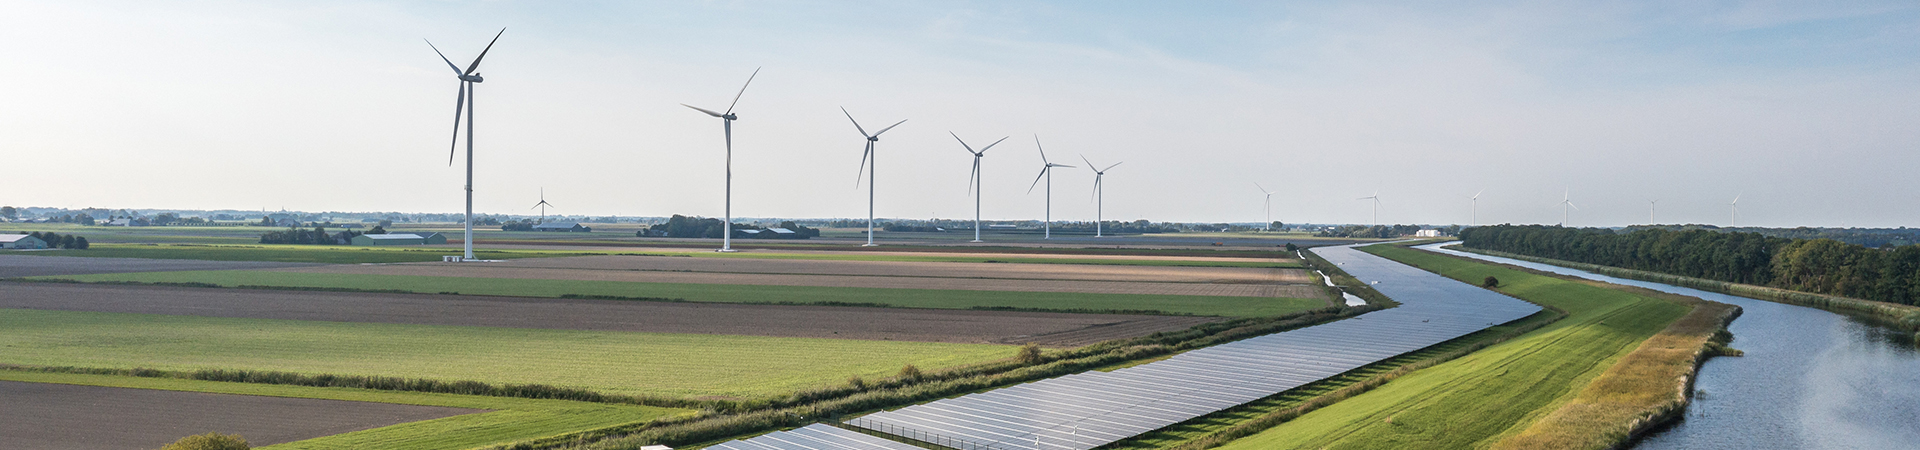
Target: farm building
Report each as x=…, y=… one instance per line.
x=563, y=226
x=20, y=241
x=400, y=239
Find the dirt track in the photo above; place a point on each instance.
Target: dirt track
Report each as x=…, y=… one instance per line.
x=927, y=325
x=28, y=266
x=59, y=416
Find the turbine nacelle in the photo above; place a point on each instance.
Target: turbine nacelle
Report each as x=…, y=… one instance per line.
x=475, y=78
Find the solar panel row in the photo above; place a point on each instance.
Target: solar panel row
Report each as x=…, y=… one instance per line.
x=814, y=437
x=1087, y=410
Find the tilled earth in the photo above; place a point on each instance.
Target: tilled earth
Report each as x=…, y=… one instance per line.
x=29, y=266
x=58, y=416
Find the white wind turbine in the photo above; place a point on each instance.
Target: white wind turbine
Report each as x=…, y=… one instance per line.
x=1734, y=221
x=974, y=182
x=542, y=205
x=1263, y=189
x=869, y=161
x=1099, y=194
x=1476, y=206
x=1046, y=171
x=464, y=103
x=727, y=118
x=1566, y=201
x=1653, y=212
x=1376, y=206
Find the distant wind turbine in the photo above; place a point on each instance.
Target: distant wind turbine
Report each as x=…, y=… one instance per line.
x=1046, y=171
x=1476, y=206
x=727, y=118
x=1653, y=211
x=974, y=181
x=464, y=103
x=1734, y=221
x=1376, y=206
x=1566, y=201
x=1099, y=194
x=1263, y=189
x=542, y=205
x=869, y=161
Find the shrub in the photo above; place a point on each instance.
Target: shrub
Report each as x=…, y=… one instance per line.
x=1490, y=282
x=1029, y=354
x=209, y=441
x=910, y=372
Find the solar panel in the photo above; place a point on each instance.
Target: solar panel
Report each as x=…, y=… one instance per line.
x=816, y=437
x=1087, y=410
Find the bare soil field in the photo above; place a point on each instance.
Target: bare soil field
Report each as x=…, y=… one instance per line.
x=1065, y=272
x=28, y=266
x=925, y=325
x=509, y=271
x=59, y=416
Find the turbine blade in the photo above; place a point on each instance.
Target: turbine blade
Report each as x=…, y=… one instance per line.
x=856, y=123
x=483, y=53
x=1090, y=165
x=983, y=150
x=1476, y=195
x=1060, y=165
x=1112, y=166
x=443, y=57
x=975, y=174
x=889, y=127
x=1570, y=203
x=709, y=112
x=963, y=143
x=1036, y=180
x=459, y=107
x=863, y=165
x=1043, y=151
x=743, y=90
x=1263, y=189
x=1736, y=199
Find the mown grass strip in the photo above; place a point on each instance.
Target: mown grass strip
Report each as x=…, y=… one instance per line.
x=511, y=419
x=725, y=293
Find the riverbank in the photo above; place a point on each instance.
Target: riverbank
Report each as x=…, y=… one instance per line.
x=1906, y=317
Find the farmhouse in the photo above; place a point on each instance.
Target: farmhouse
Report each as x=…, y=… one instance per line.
x=563, y=226
x=20, y=241
x=400, y=239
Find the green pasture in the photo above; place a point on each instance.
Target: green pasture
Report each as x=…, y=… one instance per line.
x=730, y=293
x=1478, y=399
x=671, y=365
x=330, y=254
x=509, y=419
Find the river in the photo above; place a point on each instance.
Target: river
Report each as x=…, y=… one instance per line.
x=1811, y=379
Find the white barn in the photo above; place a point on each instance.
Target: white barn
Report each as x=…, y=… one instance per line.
x=20, y=241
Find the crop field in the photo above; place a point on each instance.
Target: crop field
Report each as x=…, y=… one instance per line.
x=1084, y=272
x=327, y=254
x=43, y=415
x=510, y=419
x=1479, y=399
x=725, y=293
x=670, y=365
x=358, y=255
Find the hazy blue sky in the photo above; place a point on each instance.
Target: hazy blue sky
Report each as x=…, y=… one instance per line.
x=1809, y=110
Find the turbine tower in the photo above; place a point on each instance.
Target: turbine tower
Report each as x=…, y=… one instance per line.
x=727, y=118
x=1653, y=212
x=1376, y=206
x=1566, y=201
x=1734, y=221
x=1263, y=189
x=542, y=205
x=1476, y=206
x=1099, y=194
x=868, y=161
x=464, y=103
x=974, y=182
x=1046, y=171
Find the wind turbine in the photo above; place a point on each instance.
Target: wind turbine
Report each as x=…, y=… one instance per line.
x=1735, y=220
x=1476, y=206
x=972, y=185
x=1376, y=206
x=464, y=103
x=1046, y=171
x=1566, y=200
x=542, y=205
x=1099, y=193
x=868, y=161
x=1263, y=189
x=1653, y=212
x=727, y=118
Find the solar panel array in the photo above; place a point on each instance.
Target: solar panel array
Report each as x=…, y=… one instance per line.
x=1087, y=410
x=814, y=437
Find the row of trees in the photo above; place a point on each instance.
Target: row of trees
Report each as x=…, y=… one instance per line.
x=315, y=236
x=1821, y=266
x=1364, y=231
x=57, y=240
x=698, y=227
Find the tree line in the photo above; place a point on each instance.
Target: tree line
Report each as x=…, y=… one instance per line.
x=315, y=236
x=66, y=241
x=699, y=227
x=1821, y=266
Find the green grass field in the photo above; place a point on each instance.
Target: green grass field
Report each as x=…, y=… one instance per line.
x=511, y=419
x=1475, y=401
x=731, y=293
x=356, y=255
x=672, y=365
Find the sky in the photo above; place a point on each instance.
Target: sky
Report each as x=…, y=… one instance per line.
x=1808, y=112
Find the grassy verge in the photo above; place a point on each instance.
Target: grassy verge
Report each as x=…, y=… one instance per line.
x=1484, y=397
x=510, y=419
x=360, y=255
x=726, y=293
x=642, y=364
x=1904, y=316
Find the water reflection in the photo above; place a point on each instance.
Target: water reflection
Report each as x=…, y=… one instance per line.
x=1810, y=379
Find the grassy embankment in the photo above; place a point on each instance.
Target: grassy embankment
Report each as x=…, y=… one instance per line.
x=727, y=293
x=1904, y=316
x=1582, y=381
x=329, y=254
x=509, y=419
x=644, y=364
